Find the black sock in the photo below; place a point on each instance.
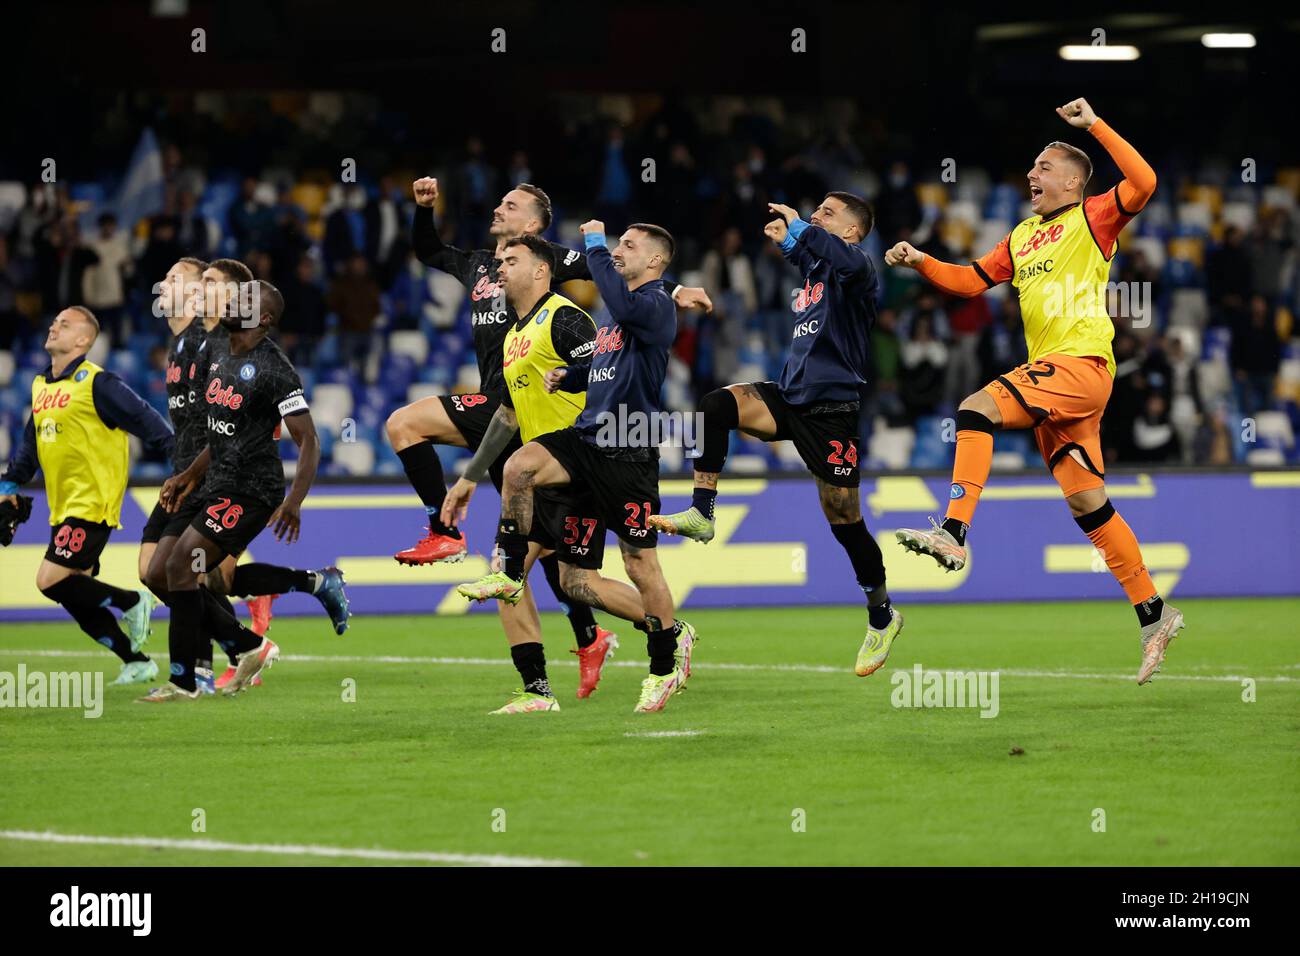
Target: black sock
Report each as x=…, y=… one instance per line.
x=87, y=590
x=702, y=499
x=956, y=528
x=868, y=567
x=514, y=548
x=94, y=618
x=205, y=644
x=661, y=645
x=530, y=661
x=424, y=472
x=183, y=635
x=1149, y=611
x=721, y=415
x=580, y=617
x=221, y=623
x=255, y=579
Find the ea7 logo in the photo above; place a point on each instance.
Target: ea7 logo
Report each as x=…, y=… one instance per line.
x=134, y=910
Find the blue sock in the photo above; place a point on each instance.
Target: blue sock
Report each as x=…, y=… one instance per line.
x=702, y=500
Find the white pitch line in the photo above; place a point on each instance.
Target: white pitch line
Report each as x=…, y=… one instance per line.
x=706, y=665
x=285, y=849
x=663, y=733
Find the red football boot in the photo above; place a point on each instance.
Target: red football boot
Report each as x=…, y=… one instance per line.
x=259, y=609
x=591, y=660
x=434, y=548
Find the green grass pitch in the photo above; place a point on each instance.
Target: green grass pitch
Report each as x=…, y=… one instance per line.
x=771, y=763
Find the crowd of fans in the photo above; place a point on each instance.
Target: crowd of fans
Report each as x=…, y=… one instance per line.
x=1207, y=282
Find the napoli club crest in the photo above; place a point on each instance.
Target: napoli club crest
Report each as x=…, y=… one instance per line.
x=541, y=316
x=247, y=372
x=81, y=375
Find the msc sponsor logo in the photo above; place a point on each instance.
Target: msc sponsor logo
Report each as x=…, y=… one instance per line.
x=221, y=427
x=1034, y=269
x=605, y=374
x=807, y=328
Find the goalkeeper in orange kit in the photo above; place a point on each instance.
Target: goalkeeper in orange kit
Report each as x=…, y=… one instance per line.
x=1059, y=261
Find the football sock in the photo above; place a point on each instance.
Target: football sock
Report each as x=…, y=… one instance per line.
x=514, y=548
x=255, y=579
x=703, y=499
x=92, y=616
x=721, y=415
x=1118, y=546
x=868, y=567
x=530, y=661
x=183, y=635
x=206, y=651
x=424, y=471
x=222, y=624
x=661, y=645
x=1149, y=611
x=971, y=469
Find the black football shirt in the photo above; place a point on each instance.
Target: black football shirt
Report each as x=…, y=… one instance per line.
x=245, y=398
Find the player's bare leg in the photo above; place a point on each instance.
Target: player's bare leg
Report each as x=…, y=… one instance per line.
x=669, y=642
x=727, y=409
x=977, y=418
x=413, y=431
x=1118, y=546
x=528, y=469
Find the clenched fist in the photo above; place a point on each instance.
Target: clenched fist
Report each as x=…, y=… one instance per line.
x=775, y=230
x=1077, y=113
x=592, y=225
x=426, y=191
x=904, y=254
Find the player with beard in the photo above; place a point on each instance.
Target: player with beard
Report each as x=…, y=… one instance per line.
x=251, y=387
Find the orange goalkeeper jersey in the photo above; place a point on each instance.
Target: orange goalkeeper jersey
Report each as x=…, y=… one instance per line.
x=1060, y=262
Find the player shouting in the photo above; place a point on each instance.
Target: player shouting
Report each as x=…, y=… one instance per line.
x=1059, y=260
x=616, y=482
x=76, y=435
x=816, y=402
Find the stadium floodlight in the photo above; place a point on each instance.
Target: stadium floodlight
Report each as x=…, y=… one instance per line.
x=1228, y=41
x=1084, y=51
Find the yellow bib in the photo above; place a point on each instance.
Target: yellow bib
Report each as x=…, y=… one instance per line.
x=1061, y=275
x=527, y=355
x=84, y=461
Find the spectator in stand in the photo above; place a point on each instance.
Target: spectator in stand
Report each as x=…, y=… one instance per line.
x=1255, y=356
x=1227, y=276
x=897, y=208
x=103, y=284
x=160, y=254
x=1002, y=343
x=62, y=260
x=345, y=230
x=519, y=171
x=924, y=362
x=192, y=230
x=886, y=362
x=1154, y=439
x=251, y=221
x=1127, y=399
x=1269, y=250
x=967, y=318
x=614, y=193
x=303, y=324
x=354, y=298
x=476, y=196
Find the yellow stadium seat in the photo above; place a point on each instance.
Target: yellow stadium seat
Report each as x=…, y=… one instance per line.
x=1290, y=178
x=1212, y=196
x=310, y=198
x=1189, y=249
x=932, y=194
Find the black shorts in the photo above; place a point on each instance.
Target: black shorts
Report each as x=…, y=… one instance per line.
x=75, y=543
x=170, y=524
x=570, y=525
x=825, y=434
x=471, y=414
x=621, y=495
x=232, y=521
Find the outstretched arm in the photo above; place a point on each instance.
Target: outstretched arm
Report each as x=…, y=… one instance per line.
x=1111, y=211
x=984, y=273
x=428, y=245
